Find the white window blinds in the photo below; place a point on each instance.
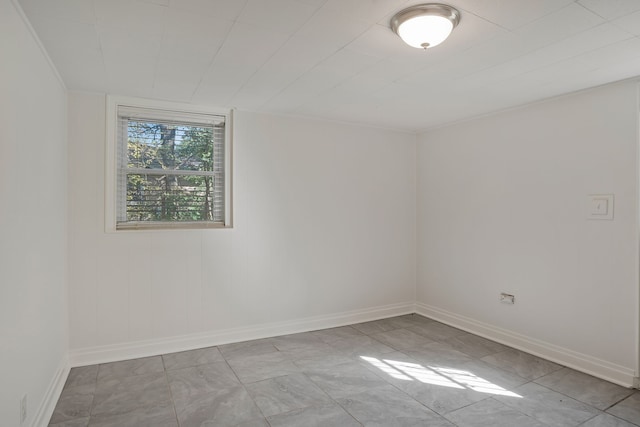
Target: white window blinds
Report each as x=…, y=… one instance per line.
x=170, y=168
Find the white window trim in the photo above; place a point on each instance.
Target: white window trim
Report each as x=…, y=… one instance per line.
x=111, y=176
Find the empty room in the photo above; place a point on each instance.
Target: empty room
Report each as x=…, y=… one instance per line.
x=319, y=213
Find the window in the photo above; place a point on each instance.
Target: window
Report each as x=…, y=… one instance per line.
x=170, y=167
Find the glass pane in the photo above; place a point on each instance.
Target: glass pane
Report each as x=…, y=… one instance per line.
x=152, y=145
x=171, y=198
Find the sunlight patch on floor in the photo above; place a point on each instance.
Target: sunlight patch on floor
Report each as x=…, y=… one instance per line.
x=445, y=377
x=386, y=368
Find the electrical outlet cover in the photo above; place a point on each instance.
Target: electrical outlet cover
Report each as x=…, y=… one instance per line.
x=507, y=298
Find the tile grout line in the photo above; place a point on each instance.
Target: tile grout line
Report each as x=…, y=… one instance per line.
x=328, y=395
x=619, y=401
x=244, y=388
x=166, y=377
x=93, y=398
x=602, y=411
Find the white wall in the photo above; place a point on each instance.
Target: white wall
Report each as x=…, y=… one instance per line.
x=324, y=225
x=502, y=208
x=33, y=223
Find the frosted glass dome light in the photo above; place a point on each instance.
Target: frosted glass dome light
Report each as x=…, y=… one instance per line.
x=426, y=25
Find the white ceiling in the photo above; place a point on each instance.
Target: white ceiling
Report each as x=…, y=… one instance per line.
x=338, y=59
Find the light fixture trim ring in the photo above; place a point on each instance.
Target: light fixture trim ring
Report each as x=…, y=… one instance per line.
x=433, y=9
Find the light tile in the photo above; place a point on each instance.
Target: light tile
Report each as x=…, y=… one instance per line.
x=482, y=377
x=372, y=11
x=344, y=379
x=84, y=375
x=270, y=14
x=585, y=388
x=129, y=368
x=555, y=27
x=124, y=395
x=402, y=339
x=611, y=9
x=321, y=416
x=193, y=37
x=474, y=345
x=222, y=9
x=606, y=420
x=322, y=350
x=523, y=364
x=416, y=318
x=69, y=10
x=630, y=23
x=161, y=415
x=287, y=393
x=514, y=13
x=390, y=407
x=296, y=342
x=78, y=422
x=72, y=34
x=74, y=402
x=190, y=358
x=548, y=406
x=436, y=331
x=222, y=407
x=323, y=361
x=374, y=327
x=439, y=393
x=628, y=409
x=361, y=346
x=379, y=365
x=441, y=389
x=258, y=422
x=257, y=368
x=439, y=354
x=345, y=29
x=335, y=334
x=188, y=383
x=492, y=413
x=247, y=348
x=243, y=37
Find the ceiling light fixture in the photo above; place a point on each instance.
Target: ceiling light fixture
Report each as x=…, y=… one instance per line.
x=425, y=25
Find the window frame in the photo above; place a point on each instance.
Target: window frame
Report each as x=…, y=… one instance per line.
x=113, y=103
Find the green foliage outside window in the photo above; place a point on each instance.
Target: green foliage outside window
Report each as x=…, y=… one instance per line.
x=163, y=193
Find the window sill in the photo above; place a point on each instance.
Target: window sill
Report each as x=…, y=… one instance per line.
x=196, y=225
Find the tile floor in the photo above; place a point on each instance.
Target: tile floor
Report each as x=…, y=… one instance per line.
x=402, y=371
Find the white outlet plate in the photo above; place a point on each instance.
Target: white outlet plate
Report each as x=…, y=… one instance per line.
x=600, y=206
x=507, y=298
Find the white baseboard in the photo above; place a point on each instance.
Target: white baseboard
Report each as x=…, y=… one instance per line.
x=581, y=362
x=51, y=396
x=102, y=354
x=131, y=350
